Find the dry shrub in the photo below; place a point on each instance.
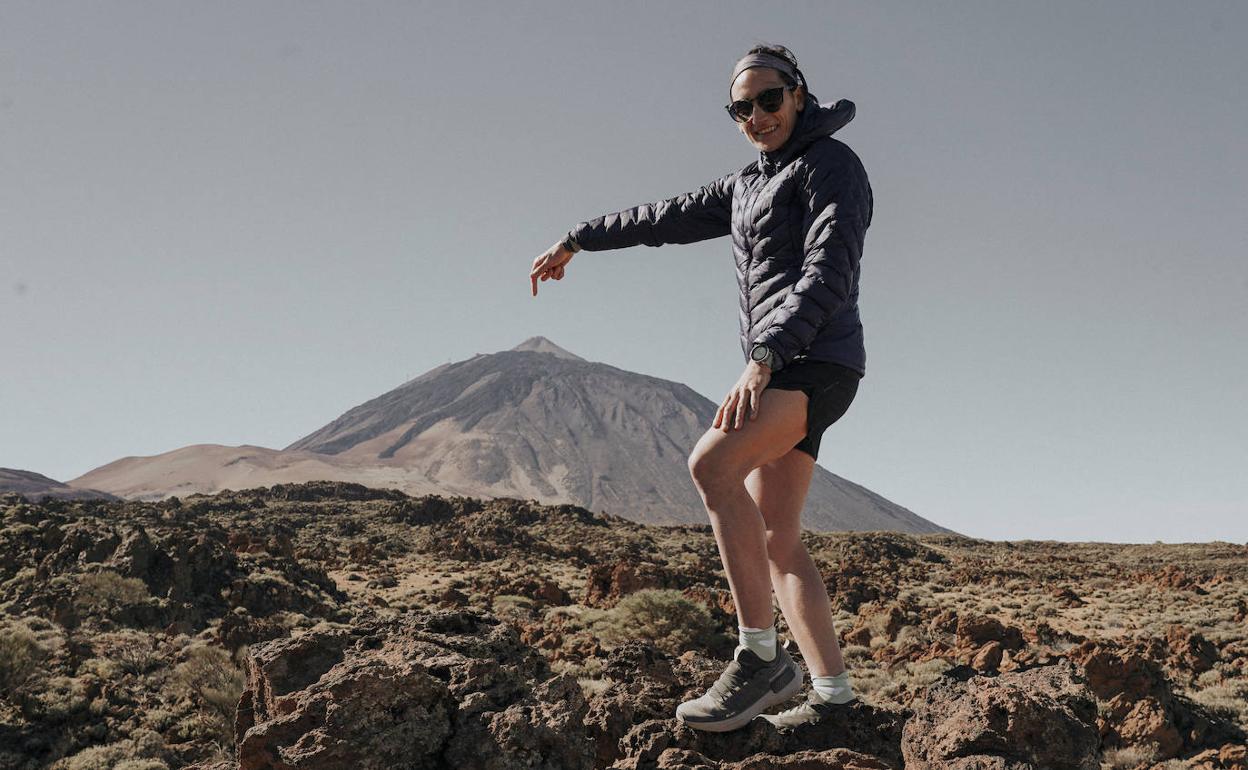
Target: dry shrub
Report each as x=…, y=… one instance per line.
x=872, y=683
x=1228, y=699
x=139, y=752
x=131, y=651
x=911, y=634
x=926, y=672
x=1130, y=757
x=591, y=687
x=590, y=669
x=106, y=592
x=20, y=656
x=662, y=616
x=103, y=669
x=213, y=681
x=513, y=607
x=58, y=699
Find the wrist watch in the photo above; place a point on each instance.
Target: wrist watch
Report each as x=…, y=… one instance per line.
x=570, y=243
x=763, y=355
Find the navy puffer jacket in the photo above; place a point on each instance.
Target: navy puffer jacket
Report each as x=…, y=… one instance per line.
x=798, y=217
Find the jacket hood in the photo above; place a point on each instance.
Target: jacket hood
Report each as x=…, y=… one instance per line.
x=815, y=121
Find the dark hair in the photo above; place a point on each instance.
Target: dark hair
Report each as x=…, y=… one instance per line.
x=783, y=53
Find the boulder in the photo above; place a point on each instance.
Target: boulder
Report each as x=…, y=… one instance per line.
x=1190, y=650
x=607, y=584
x=1025, y=720
x=974, y=631
x=1139, y=706
x=440, y=689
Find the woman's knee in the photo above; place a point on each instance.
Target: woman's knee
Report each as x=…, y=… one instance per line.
x=709, y=473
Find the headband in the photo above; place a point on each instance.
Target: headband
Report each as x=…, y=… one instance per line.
x=766, y=60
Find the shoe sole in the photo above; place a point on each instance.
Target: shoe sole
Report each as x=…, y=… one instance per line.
x=772, y=698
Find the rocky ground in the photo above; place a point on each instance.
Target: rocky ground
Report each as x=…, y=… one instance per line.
x=327, y=625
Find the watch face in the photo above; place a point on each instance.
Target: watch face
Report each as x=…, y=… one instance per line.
x=759, y=354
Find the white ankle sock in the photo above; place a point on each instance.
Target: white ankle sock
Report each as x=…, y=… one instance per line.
x=833, y=689
x=762, y=641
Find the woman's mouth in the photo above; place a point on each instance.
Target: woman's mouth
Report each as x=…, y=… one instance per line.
x=765, y=131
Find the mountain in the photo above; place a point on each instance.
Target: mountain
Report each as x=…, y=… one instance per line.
x=209, y=468
x=36, y=486
x=533, y=422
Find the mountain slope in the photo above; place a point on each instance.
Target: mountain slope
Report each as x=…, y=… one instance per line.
x=36, y=486
x=534, y=422
x=550, y=425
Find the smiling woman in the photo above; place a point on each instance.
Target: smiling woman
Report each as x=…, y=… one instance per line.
x=768, y=79
x=798, y=216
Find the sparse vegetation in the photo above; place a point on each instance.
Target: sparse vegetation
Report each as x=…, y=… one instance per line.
x=20, y=656
x=213, y=681
x=76, y=653
x=1130, y=757
x=661, y=616
x=105, y=592
x=138, y=752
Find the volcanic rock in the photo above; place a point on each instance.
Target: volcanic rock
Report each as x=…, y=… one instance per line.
x=443, y=689
x=1031, y=720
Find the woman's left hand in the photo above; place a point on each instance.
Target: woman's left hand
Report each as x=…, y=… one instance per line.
x=743, y=397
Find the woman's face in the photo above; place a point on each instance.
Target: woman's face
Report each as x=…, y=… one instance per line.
x=767, y=130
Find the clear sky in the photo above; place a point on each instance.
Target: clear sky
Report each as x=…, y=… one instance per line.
x=230, y=222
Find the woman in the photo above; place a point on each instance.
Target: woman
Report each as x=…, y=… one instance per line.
x=797, y=217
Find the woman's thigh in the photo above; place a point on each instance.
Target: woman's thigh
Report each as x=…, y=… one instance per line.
x=780, y=424
x=779, y=489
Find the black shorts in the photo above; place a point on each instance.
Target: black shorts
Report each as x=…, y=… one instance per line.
x=830, y=387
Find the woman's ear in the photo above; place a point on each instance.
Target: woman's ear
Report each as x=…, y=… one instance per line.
x=799, y=93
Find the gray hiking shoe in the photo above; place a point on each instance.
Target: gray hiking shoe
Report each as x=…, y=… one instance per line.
x=809, y=712
x=749, y=685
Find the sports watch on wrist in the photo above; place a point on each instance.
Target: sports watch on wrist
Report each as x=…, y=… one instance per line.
x=763, y=355
x=570, y=243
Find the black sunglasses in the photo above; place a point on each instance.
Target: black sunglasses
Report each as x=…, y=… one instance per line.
x=769, y=100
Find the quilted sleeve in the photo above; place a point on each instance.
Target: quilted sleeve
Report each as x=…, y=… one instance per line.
x=838, y=207
x=694, y=216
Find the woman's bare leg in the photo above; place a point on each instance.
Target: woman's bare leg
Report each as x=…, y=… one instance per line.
x=719, y=464
x=779, y=490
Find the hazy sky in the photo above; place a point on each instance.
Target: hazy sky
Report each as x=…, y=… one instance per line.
x=230, y=222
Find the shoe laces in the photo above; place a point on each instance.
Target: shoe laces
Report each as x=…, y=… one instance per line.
x=727, y=684
x=731, y=680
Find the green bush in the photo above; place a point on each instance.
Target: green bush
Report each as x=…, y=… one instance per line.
x=103, y=669
x=158, y=719
x=513, y=606
x=1228, y=700
x=134, y=651
x=102, y=593
x=214, y=682
x=60, y=699
x=139, y=752
x=1129, y=757
x=20, y=656
x=513, y=600
x=662, y=616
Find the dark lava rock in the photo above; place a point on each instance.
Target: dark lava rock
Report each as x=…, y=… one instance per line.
x=1038, y=719
x=443, y=689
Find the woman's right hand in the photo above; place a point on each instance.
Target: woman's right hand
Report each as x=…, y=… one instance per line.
x=550, y=265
